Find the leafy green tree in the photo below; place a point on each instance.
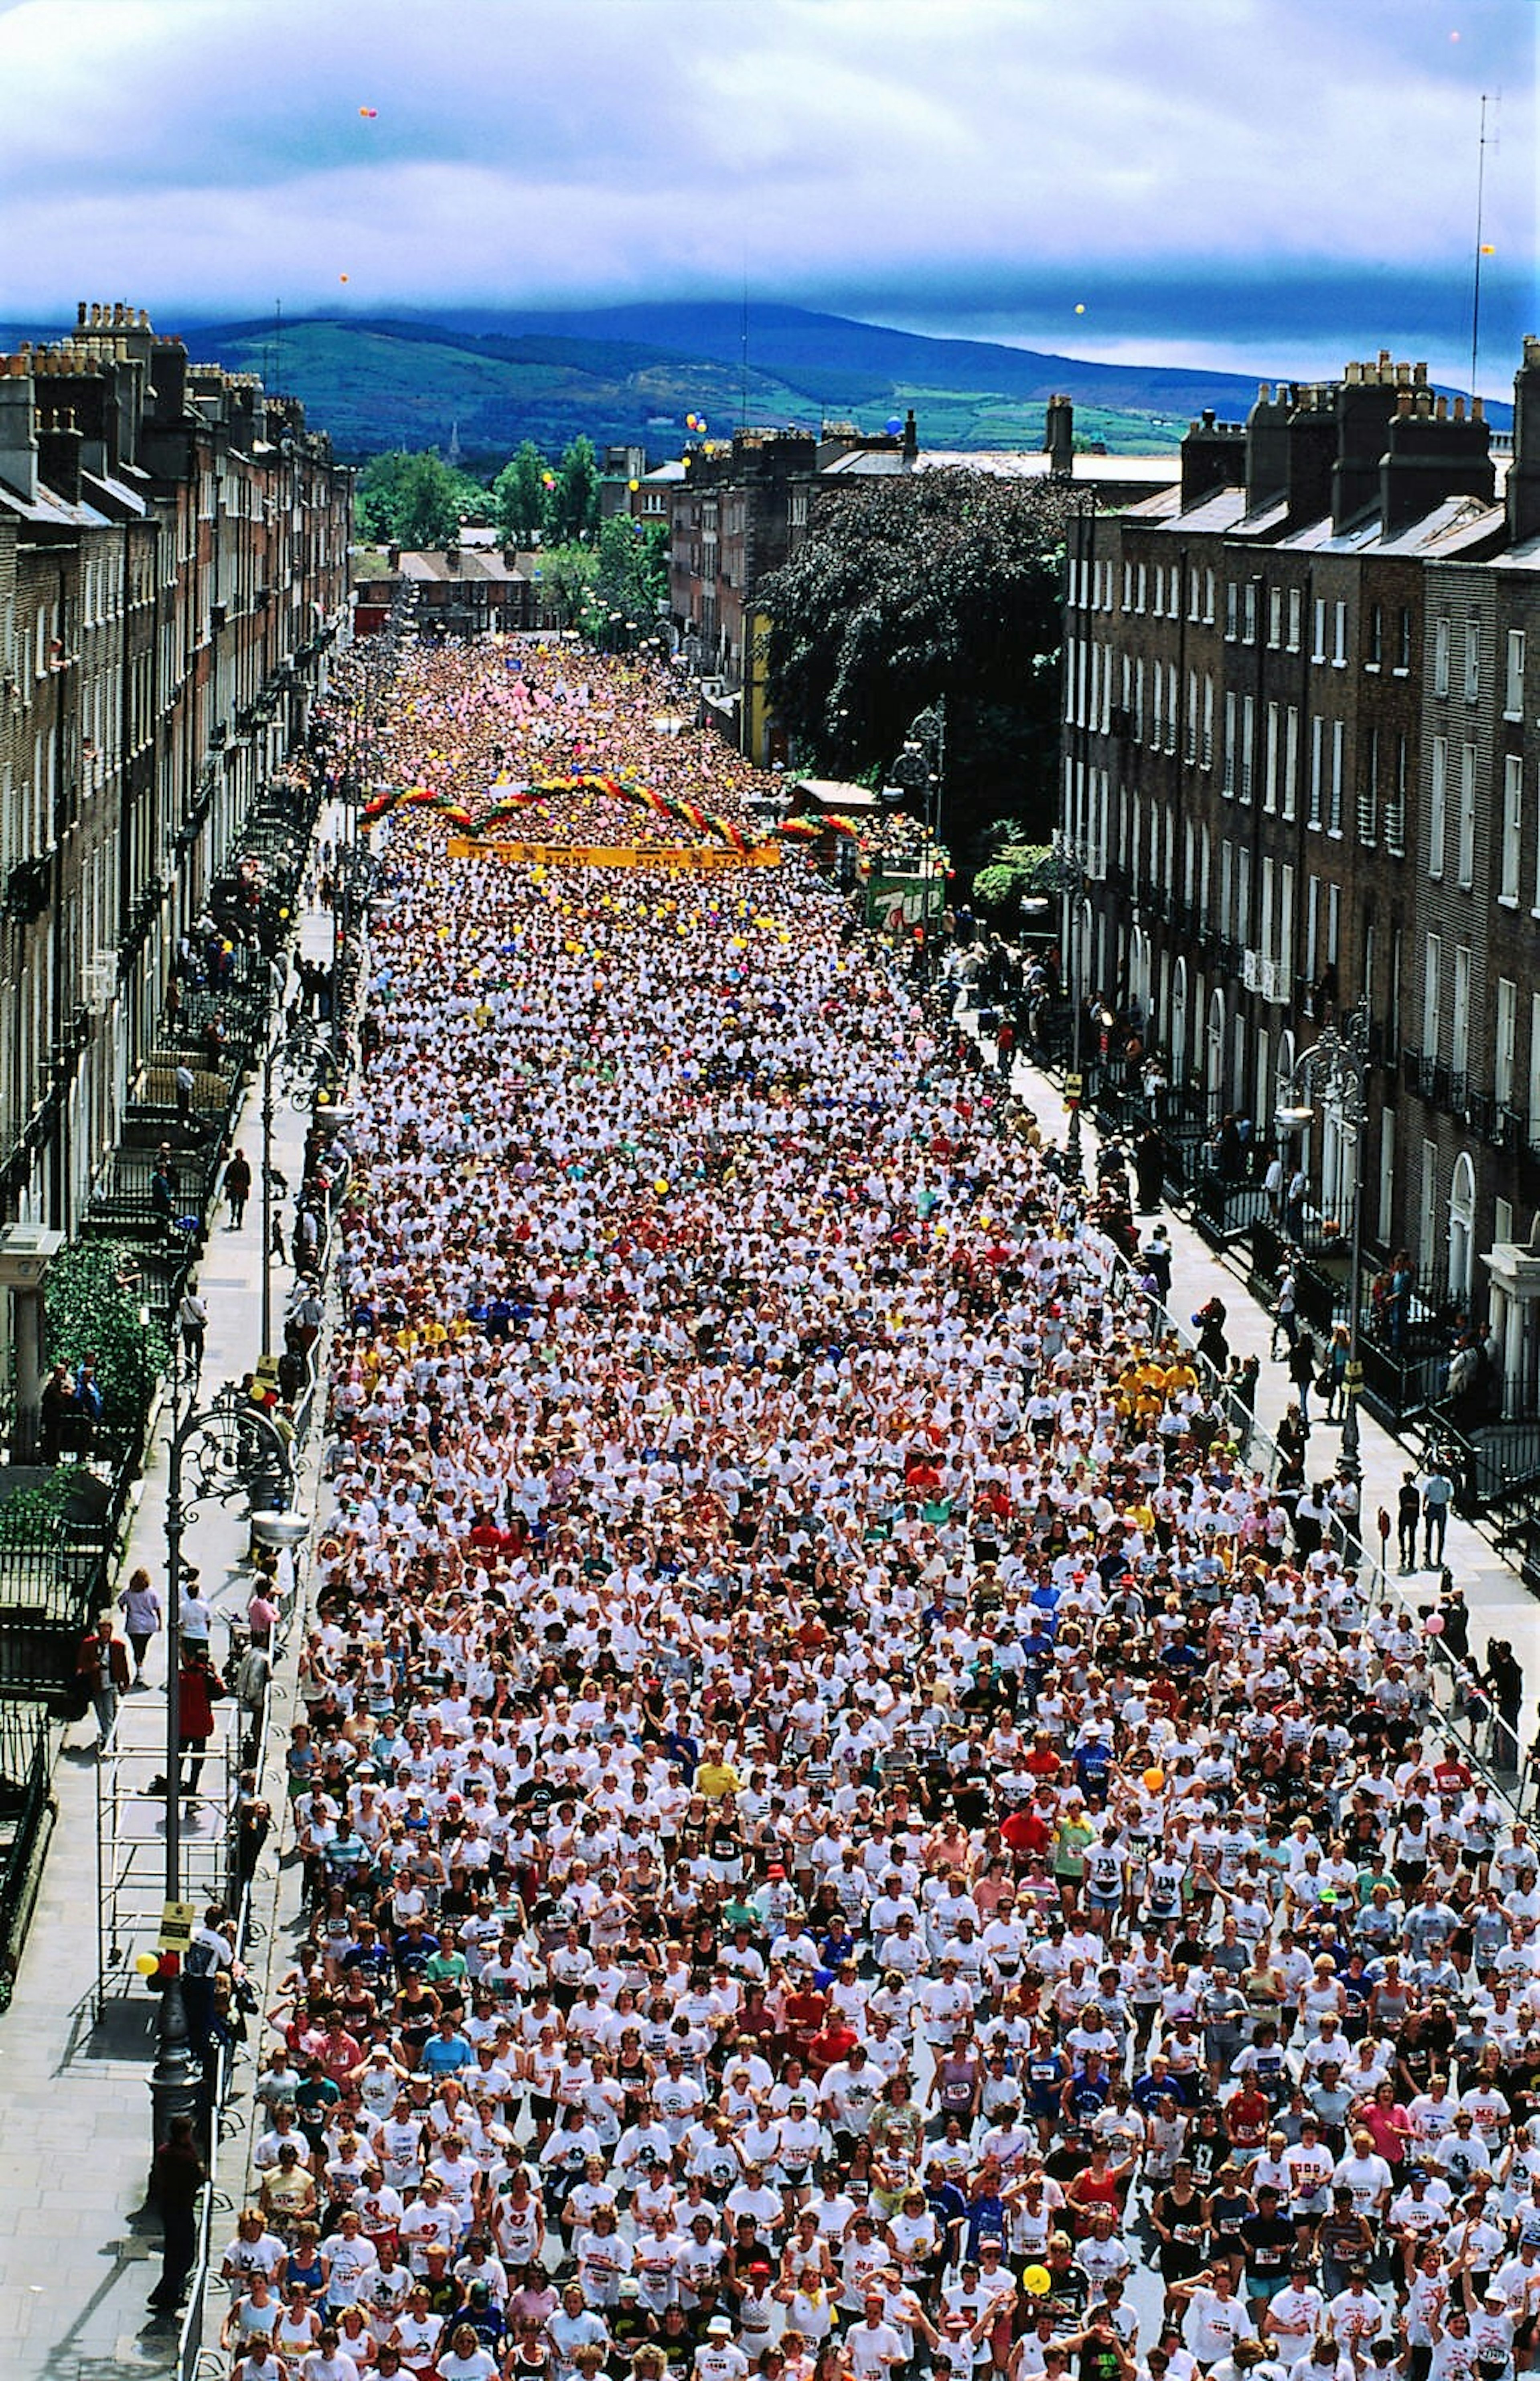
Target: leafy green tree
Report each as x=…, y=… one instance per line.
x=574, y=505
x=568, y=576
x=631, y=573
x=519, y=495
x=92, y=1310
x=936, y=583
x=411, y=500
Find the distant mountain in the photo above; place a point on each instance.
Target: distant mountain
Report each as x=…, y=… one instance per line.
x=629, y=374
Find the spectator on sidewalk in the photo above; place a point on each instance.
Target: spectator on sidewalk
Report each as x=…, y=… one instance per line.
x=179, y=2176
x=104, y=1665
x=1437, y=1493
x=1409, y=1508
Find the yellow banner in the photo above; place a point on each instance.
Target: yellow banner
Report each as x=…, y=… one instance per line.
x=702, y=858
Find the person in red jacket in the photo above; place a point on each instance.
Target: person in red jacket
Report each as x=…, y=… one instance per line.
x=104, y=1665
x=199, y=1688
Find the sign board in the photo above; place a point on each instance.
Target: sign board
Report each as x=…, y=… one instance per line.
x=898, y=897
x=177, y=1921
x=1073, y=1086
x=702, y=860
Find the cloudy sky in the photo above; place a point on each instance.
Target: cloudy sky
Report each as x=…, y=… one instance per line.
x=1269, y=182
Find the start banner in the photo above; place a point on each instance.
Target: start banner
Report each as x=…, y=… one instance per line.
x=703, y=859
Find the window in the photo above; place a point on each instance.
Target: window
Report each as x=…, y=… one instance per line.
x=1441, y=655
x=1334, y=815
x=1208, y=598
x=1403, y=640
x=1141, y=603
x=1376, y=635
x=1472, y=661
x=1159, y=604
x=1271, y=762
x=1193, y=592
x=1395, y=805
x=1465, y=865
x=1291, y=759
x=1157, y=722
x=1128, y=586
x=1208, y=723
x=1438, y=797
x=1317, y=769
x=1242, y=895
x=1513, y=675
x=1228, y=779
x=1264, y=910
x=1318, y=629
x=1504, y=1043
x=1286, y=925
x=1513, y=826
x=1226, y=886
x=1275, y=616
x=1432, y=993
x=1460, y=1037
x=1296, y=618
x=1232, y=609
x=1251, y=585
x=1190, y=753
x=1387, y=1173
x=1172, y=695
x=1339, y=634
x=1368, y=792
x=1247, y=739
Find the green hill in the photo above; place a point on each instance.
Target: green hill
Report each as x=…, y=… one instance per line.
x=493, y=380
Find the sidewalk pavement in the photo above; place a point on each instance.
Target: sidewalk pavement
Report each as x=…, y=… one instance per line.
x=77, y=2254
x=1500, y=1605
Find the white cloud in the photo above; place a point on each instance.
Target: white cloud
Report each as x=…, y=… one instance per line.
x=208, y=154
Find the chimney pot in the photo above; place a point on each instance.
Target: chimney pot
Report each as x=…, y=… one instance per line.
x=1440, y=409
x=1460, y=409
x=1420, y=374
x=1478, y=408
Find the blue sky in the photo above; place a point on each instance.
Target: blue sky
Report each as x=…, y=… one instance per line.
x=1267, y=183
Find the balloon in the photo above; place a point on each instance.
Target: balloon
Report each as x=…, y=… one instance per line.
x=146, y=1964
x=661, y=1185
x=1154, y=1780
x=633, y=486
x=342, y=277
x=1434, y=1624
x=1038, y=2280
x=369, y=111
x=894, y=424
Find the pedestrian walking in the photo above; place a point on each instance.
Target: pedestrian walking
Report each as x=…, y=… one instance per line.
x=1285, y=1320
x=1409, y=1508
x=1301, y=1367
x=237, y=1187
x=141, y=1606
x=192, y=1322
x=186, y=1084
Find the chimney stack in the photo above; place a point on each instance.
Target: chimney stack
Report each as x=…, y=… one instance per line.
x=1059, y=438
x=1523, y=473
x=17, y=429
x=1213, y=457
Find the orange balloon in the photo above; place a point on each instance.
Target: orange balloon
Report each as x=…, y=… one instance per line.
x=1155, y=1780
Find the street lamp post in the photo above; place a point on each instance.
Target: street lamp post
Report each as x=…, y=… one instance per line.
x=212, y=1443
x=1064, y=873
x=1336, y=1069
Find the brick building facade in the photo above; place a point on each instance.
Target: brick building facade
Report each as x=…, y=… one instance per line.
x=173, y=569
x=1300, y=757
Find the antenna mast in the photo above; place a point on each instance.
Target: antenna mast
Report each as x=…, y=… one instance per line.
x=1475, y=282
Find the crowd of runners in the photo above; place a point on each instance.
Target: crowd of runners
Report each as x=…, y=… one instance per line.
x=847, y=1836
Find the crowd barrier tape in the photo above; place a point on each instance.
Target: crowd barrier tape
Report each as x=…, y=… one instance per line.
x=702, y=860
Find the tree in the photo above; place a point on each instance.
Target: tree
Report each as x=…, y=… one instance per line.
x=413, y=500
x=574, y=507
x=935, y=583
x=519, y=495
x=568, y=574
x=631, y=573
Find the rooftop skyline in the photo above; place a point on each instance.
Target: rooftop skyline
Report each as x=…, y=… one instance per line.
x=1268, y=184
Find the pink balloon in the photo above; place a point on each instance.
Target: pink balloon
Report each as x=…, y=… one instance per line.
x=1434, y=1624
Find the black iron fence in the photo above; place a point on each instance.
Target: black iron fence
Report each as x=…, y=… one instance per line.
x=26, y=1811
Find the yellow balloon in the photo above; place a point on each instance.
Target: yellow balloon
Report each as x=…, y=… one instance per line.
x=660, y=1185
x=1154, y=1780
x=1038, y=2280
x=146, y=1963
